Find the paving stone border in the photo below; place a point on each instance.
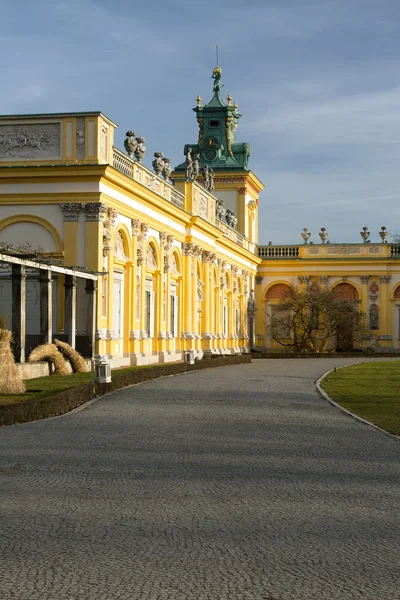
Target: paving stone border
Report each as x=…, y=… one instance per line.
x=67, y=400
x=256, y=355
x=345, y=410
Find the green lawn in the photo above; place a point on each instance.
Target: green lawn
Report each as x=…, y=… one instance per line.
x=47, y=386
x=370, y=390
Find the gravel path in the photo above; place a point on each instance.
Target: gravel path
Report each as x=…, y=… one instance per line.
x=233, y=483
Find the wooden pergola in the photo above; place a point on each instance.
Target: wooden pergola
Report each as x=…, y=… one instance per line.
x=19, y=267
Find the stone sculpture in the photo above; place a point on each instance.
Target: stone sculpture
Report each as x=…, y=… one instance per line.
x=305, y=235
x=384, y=234
x=196, y=165
x=167, y=169
x=374, y=317
x=220, y=209
x=365, y=234
x=130, y=143
x=323, y=235
x=189, y=164
x=158, y=163
x=231, y=218
x=140, y=151
x=208, y=174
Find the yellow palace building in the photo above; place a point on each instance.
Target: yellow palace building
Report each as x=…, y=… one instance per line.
x=176, y=251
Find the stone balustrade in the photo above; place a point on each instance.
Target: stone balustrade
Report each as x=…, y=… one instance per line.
x=324, y=251
x=144, y=176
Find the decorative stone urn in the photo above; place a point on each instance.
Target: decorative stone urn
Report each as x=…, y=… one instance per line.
x=130, y=143
x=323, y=235
x=365, y=234
x=220, y=209
x=140, y=151
x=158, y=163
x=305, y=234
x=167, y=169
x=384, y=234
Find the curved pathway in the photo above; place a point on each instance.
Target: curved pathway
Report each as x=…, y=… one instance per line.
x=233, y=483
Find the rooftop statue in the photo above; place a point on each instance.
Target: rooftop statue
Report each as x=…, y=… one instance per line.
x=217, y=73
x=189, y=164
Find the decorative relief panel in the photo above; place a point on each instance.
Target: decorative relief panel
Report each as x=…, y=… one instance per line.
x=31, y=141
x=373, y=250
x=313, y=250
x=343, y=250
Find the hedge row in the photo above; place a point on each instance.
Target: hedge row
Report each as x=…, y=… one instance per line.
x=67, y=400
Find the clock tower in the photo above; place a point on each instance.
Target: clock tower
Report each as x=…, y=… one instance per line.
x=218, y=149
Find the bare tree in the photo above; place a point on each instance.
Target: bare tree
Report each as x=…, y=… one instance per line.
x=307, y=319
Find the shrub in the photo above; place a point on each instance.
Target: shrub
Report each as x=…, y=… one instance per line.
x=50, y=353
x=10, y=380
x=77, y=362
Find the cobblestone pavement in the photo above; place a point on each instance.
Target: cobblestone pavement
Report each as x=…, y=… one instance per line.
x=232, y=483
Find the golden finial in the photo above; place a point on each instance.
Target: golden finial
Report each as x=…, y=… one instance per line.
x=235, y=106
x=229, y=99
x=198, y=100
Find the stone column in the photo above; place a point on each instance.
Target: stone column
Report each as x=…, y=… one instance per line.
x=96, y=252
x=18, y=321
x=196, y=326
x=241, y=210
x=364, y=293
x=188, y=250
x=260, y=324
x=46, y=306
x=385, y=311
x=207, y=258
x=221, y=305
x=71, y=211
x=398, y=325
x=91, y=306
x=135, y=224
x=70, y=309
x=251, y=313
x=303, y=281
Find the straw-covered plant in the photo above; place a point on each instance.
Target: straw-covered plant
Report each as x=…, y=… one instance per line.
x=10, y=379
x=50, y=353
x=77, y=362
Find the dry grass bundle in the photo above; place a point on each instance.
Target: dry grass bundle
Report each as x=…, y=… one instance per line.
x=50, y=353
x=77, y=362
x=10, y=380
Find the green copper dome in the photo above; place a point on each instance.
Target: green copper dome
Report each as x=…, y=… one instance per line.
x=216, y=143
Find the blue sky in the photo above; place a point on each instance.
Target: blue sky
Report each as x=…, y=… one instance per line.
x=317, y=82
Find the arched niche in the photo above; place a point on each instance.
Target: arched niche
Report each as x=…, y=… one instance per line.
x=32, y=231
x=276, y=291
x=346, y=290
